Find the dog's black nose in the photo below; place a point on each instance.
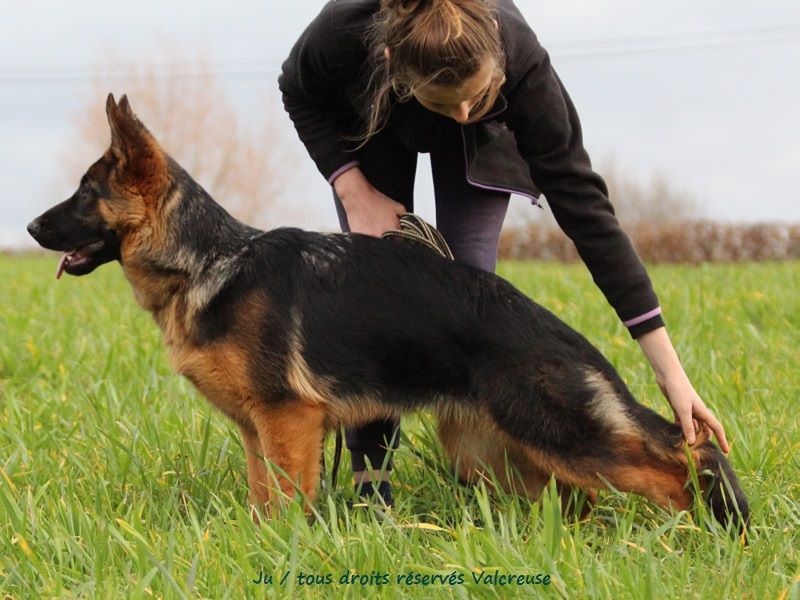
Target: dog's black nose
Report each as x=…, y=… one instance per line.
x=34, y=228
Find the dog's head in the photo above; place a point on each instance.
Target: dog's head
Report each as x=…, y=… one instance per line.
x=116, y=201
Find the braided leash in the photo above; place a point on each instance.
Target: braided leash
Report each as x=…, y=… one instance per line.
x=417, y=231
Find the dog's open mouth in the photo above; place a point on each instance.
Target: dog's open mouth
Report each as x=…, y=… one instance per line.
x=79, y=261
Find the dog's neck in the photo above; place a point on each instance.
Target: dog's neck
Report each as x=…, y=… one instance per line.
x=192, y=264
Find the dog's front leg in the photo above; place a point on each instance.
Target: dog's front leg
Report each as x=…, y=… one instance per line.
x=289, y=436
x=257, y=474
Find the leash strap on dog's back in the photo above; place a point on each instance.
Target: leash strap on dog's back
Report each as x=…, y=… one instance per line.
x=417, y=231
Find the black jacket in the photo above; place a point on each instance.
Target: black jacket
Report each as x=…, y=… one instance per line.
x=531, y=140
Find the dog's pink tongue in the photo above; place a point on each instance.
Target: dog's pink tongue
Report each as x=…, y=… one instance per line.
x=61, y=264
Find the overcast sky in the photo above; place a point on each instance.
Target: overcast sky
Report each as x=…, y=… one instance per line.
x=705, y=92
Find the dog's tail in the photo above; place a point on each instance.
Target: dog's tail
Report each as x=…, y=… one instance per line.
x=586, y=428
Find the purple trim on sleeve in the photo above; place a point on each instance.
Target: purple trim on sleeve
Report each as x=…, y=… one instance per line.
x=642, y=318
x=342, y=169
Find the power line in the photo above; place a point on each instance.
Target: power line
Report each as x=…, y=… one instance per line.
x=576, y=50
x=118, y=76
x=677, y=44
x=71, y=73
x=678, y=38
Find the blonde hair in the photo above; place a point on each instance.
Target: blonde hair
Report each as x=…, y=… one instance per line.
x=442, y=42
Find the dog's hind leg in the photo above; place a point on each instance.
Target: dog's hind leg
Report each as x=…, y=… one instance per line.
x=587, y=431
x=478, y=449
x=290, y=435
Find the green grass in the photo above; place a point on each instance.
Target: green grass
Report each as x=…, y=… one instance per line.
x=118, y=480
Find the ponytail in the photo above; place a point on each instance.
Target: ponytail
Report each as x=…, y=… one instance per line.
x=442, y=42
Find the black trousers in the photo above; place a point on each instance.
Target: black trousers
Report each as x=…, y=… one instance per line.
x=468, y=217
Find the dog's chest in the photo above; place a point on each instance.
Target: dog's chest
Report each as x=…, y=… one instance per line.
x=220, y=372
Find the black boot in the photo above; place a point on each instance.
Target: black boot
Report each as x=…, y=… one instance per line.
x=368, y=491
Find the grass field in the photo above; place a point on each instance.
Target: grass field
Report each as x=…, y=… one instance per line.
x=118, y=480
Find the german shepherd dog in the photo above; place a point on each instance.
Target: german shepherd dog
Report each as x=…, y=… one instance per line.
x=292, y=333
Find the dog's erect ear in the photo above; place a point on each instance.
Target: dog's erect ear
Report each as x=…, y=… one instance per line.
x=125, y=129
x=142, y=162
x=111, y=110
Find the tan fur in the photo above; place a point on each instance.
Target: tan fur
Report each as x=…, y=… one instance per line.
x=291, y=435
x=662, y=482
x=163, y=297
x=286, y=433
x=478, y=448
x=654, y=483
x=145, y=169
x=125, y=214
x=606, y=406
x=356, y=410
x=301, y=380
x=221, y=372
x=659, y=478
x=257, y=474
x=676, y=455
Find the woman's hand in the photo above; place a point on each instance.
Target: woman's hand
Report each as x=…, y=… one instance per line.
x=690, y=411
x=368, y=210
